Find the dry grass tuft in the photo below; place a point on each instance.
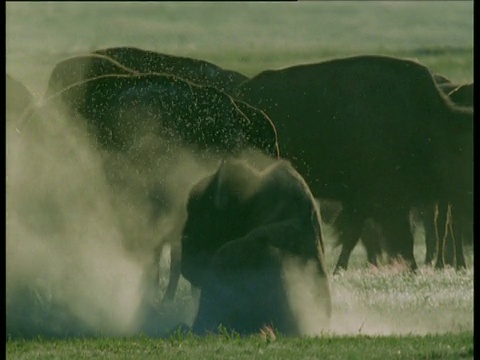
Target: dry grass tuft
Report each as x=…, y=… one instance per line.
x=268, y=334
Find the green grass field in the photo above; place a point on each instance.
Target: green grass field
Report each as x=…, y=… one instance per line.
x=377, y=313
x=228, y=346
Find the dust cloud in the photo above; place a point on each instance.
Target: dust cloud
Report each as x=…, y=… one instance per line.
x=309, y=296
x=82, y=227
x=356, y=311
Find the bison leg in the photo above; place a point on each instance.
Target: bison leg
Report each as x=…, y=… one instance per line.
x=349, y=223
x=465, y=229
x=428, y=217
x=441, y=231
x=450, y=243
x=460, y=255
x=371, y=239
x=452, y=249
x=457, y=227
x=174, y=277
x=174, y=239
x=175, y=261
x=396, y=226
x=243, y=290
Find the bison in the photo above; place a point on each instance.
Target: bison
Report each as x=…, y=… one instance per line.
x=443, y=244
x=373, y=132
x=121, y=108
x=243, y=226
x=193, y=70
x=372, y=238
x=80, y=68
x=462, y=95
x=454, y=220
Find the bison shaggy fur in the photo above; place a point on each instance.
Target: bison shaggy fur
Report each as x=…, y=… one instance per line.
x=243, y=224
x=194, y=70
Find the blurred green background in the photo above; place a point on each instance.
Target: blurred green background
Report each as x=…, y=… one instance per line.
x=247, y=37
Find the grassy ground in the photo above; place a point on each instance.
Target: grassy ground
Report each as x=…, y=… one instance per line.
x=377, y=313
x=228, y=346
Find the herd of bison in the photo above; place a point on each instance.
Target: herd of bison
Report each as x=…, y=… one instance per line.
x=378, y=140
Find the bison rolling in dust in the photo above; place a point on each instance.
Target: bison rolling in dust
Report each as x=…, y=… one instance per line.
x=374, y=133
x=244, y=227
x=144, y=126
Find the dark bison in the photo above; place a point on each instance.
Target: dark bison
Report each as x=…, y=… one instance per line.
x=82, y=67
x=243, y=227
x=443, y=244
x=18, y=98
x=372, y=132
x=462, y=95
x=372, y=238
x=119, y=109
x=454, y=220
x=193, y=70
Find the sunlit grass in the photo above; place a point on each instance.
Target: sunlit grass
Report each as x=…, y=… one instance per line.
x=227, y=346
